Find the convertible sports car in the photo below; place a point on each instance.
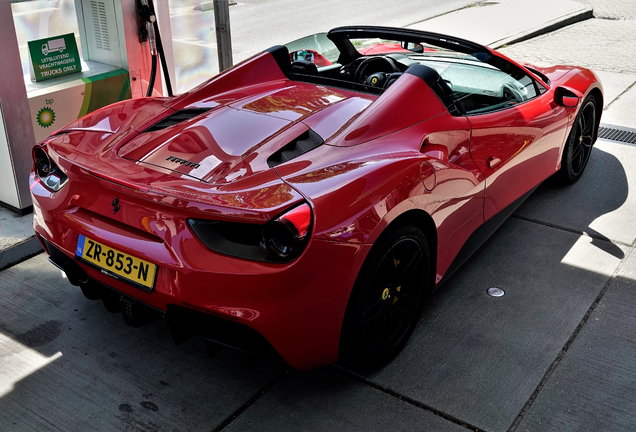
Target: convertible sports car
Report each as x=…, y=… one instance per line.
x=305, y=202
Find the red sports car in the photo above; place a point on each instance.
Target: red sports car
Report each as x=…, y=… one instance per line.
x=307, y=210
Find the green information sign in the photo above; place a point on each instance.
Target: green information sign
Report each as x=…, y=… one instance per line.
x=53, y=57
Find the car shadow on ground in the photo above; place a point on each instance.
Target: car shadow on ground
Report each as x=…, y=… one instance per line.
x=602, y=189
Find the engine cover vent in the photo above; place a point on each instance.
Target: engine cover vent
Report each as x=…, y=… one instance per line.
x=176, y=118
x=306, y=142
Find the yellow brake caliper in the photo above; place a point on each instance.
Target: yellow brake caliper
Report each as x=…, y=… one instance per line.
x=396, y=263
x=396, y=298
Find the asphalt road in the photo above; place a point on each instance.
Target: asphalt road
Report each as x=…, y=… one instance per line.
x=260, y=24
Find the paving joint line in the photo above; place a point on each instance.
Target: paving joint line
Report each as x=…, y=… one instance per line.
x=229, y=419
x=410, y=401
x=528, y=405
x=619, y=96
x=574, y=231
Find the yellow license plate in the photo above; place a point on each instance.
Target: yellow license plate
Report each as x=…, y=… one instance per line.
x=116, y=264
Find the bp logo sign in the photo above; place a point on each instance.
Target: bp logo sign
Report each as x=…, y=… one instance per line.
x=46, y=117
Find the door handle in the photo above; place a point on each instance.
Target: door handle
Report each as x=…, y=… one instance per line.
x=493, y=161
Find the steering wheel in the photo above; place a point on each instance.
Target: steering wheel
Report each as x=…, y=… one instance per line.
x=359, y=76
x=516, y=93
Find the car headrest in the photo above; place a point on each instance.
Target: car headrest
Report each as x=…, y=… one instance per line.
x=304, y=67
x=437, y=84
x=425, y=73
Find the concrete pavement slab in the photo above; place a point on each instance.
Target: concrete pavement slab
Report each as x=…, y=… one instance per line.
x=614, y=84
x=17, y=240
x=14, y=228
x=328, y=400
x=596, y=44
x=499, y=22
x=594, y=386
x=621, y=112
x=68, y=365
x=19, y=251
x=479, y=358
x=602, y=203
x=612, y=9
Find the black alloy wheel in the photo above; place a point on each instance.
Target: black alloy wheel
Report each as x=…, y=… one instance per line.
x=578, y=147
x=388, y=298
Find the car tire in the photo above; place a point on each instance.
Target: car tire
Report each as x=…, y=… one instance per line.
x=387, y=298
x=578, y=146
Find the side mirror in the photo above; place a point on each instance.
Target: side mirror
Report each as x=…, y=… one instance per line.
x=567, y=97
x=570, y=101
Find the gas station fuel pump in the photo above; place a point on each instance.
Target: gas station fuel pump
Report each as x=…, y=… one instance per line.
x=149, y=30
x=120, y=46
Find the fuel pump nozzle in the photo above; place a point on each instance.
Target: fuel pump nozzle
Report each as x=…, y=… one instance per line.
x=149, y=30
x=152, y=39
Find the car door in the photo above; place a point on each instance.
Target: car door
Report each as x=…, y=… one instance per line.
x=516, y=129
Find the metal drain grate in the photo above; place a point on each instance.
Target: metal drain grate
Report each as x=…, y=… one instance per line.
x=623, y=135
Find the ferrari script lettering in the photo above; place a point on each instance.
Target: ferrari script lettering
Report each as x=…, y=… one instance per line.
x=182, y=162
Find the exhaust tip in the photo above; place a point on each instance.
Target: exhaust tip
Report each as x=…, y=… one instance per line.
x=111, y=300
x=91, y=291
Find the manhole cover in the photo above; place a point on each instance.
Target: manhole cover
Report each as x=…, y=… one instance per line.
x=495, y=292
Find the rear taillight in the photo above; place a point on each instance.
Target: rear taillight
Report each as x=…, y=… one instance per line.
x=41, y=160
x=51, y=176
x=286, y=235
x=282, y=239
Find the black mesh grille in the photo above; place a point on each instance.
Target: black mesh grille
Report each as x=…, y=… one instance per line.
x=301, y=145
x=614, y=133
x=177, y=117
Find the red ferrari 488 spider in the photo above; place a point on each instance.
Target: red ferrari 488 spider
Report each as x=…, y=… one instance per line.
x=305, y=202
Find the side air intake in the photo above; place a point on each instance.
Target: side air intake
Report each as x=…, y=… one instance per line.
x=301, y=145
x=175, y=118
